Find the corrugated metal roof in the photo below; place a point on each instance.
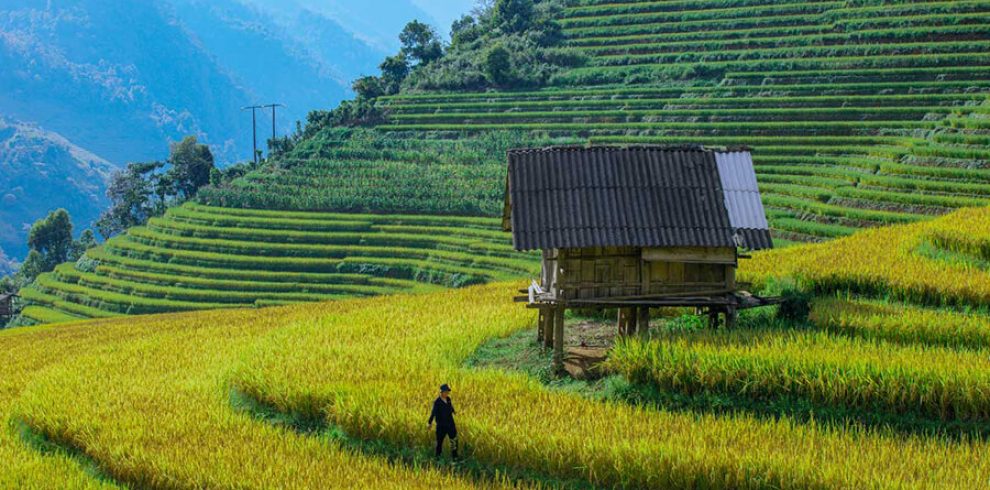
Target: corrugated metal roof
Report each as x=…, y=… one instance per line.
x=742, y=199
x=571, y=197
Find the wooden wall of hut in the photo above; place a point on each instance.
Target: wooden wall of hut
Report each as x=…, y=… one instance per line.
x=617, y=272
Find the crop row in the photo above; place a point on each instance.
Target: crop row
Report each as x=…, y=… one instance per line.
x=871, y=68
x=620, y=92
x=378, y=239
x=952, y=13
x=831, y=371
x=865, y=103
x=774, y=128
x=438, y=272
x=44, y=315
x=596, y=9
x=885, y=262
x=901, y=324
x=962, y=26
x=153, y=271
x=783, y=116
x=33, y=295
x=225, y=292
x=122, y=303
x=618, y=17
x=284, y=250
x=828, y=52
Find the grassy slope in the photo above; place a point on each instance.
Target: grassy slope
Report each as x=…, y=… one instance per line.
x=859, y=113
x=158, y=389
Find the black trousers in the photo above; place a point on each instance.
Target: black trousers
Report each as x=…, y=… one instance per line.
x=444, y=432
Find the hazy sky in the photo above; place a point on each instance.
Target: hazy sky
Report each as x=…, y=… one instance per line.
x=445, y=11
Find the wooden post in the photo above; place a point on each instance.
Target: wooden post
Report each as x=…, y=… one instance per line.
x=558, y=340
x=731, y=316
x=627, y=321
x=548, y=327
x=713, y=318
x=541, y=324
x=644, y=321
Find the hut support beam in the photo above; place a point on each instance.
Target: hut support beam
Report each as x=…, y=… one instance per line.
x=548, y=327
x=643, y=322
x=541, y=325
x=558, y=340
x=627, y=321
x=712, y=318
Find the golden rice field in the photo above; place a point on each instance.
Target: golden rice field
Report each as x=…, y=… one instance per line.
x=148, y=402
x=885, y=261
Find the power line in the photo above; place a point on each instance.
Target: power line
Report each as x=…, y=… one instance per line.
x=254, y=129
x=273, y=106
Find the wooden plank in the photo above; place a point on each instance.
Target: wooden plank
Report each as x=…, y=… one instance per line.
x=558, y=340
x=705, y=255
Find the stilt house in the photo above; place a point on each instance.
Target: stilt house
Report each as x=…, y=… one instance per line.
x=634, y=228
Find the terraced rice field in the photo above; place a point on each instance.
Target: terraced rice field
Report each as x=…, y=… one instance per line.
x=200, y=257
x=859, y=113
x=213, y=399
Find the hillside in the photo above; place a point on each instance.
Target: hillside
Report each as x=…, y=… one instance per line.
x=42, y=170
x=225, y=255
x=326, y=394
x=859, y=114
x=122, y=79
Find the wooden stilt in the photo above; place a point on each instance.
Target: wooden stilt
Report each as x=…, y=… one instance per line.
x=731, y=317
x=541, y=324
x=713, y=319
x=558, y=340
x=626, y=321
x=643, y=322
x=548, y=327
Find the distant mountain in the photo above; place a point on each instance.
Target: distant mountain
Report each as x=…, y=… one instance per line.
x=40, y=170
x=121, y=79
x=377, y=22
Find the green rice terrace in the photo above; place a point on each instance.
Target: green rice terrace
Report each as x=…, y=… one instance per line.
x=858, y=114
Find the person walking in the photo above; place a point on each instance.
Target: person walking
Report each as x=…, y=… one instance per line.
x=443, y=412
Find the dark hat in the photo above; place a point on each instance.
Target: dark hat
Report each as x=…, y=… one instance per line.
x=444, y=388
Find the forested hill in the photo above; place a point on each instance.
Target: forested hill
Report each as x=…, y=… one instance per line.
x=859, y=113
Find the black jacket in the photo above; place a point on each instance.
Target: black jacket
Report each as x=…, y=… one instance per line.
x=443, y=412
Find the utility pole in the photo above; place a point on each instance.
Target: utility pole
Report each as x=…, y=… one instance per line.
x=254, y=129
x=273, y=106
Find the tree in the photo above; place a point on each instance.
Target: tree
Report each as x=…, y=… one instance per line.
x=51, y=237
x=191, y=166
x=513, y=15
x=86, y=241
x=34, y=265
x=498, y=65
x=369, y=87
x=464, y=30
x=420, y=42
x=7, y=285
x=395, y=69
x=136, y=194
